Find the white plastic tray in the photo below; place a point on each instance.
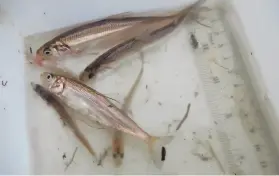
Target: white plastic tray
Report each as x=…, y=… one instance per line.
x=19, y=19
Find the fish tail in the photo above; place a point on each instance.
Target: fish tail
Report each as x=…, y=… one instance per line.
x=118, y=148
x=155, y=145
x=184, y=12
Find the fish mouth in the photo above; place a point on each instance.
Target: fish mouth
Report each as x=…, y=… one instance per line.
x=38, y=60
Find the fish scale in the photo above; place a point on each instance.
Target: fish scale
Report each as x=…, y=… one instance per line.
x=213, y=47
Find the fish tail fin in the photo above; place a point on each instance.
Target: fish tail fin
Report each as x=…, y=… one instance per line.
x=184, y=12
x=155, y=145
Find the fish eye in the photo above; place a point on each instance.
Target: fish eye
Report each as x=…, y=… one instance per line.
x=49, y=76
x=47, y=51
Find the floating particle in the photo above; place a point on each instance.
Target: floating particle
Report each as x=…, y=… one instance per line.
x=216, y=79
x=257, y=147
x=205, y=47
x=242, y=157
x=252, y=130
x=220, y=45
x=229, y=115
x=263, y=164
x=194, y=41
x=196, y=94
x=216, y=33
x=64, y=156
x=210, y=36
x=163, y=154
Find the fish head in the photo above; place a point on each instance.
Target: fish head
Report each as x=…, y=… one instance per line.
x=51, y=52
x=54, y=83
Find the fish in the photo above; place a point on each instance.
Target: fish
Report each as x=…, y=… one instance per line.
x=53, y=101
x=88, y=101
x=76, y=40
x=118, y=141
x=149, y=32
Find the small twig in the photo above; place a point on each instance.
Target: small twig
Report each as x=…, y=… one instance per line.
x=71, y=160
x=184, y=118
x=202, y=24
x=220, y=65
x=103, y=156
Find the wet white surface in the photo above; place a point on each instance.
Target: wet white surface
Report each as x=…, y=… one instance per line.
x=172, y=89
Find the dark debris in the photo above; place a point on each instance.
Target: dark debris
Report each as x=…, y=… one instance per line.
x=4, y=83
x=163, y=154
x=229, y=115
x=263, y=164
x=64, y=156
x=252, y=130
x=257, y=147
x=194, y=41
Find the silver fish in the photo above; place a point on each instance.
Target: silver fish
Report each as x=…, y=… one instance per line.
x=75, y=41
x=88, y=101
x=52, y=100
x=145, y=33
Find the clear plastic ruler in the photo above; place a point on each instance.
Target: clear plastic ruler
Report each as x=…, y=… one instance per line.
x=235, y=117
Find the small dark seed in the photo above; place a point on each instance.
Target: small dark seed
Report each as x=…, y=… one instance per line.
x=163, y=154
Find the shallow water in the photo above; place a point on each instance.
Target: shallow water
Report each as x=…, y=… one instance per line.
x=170, y=81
